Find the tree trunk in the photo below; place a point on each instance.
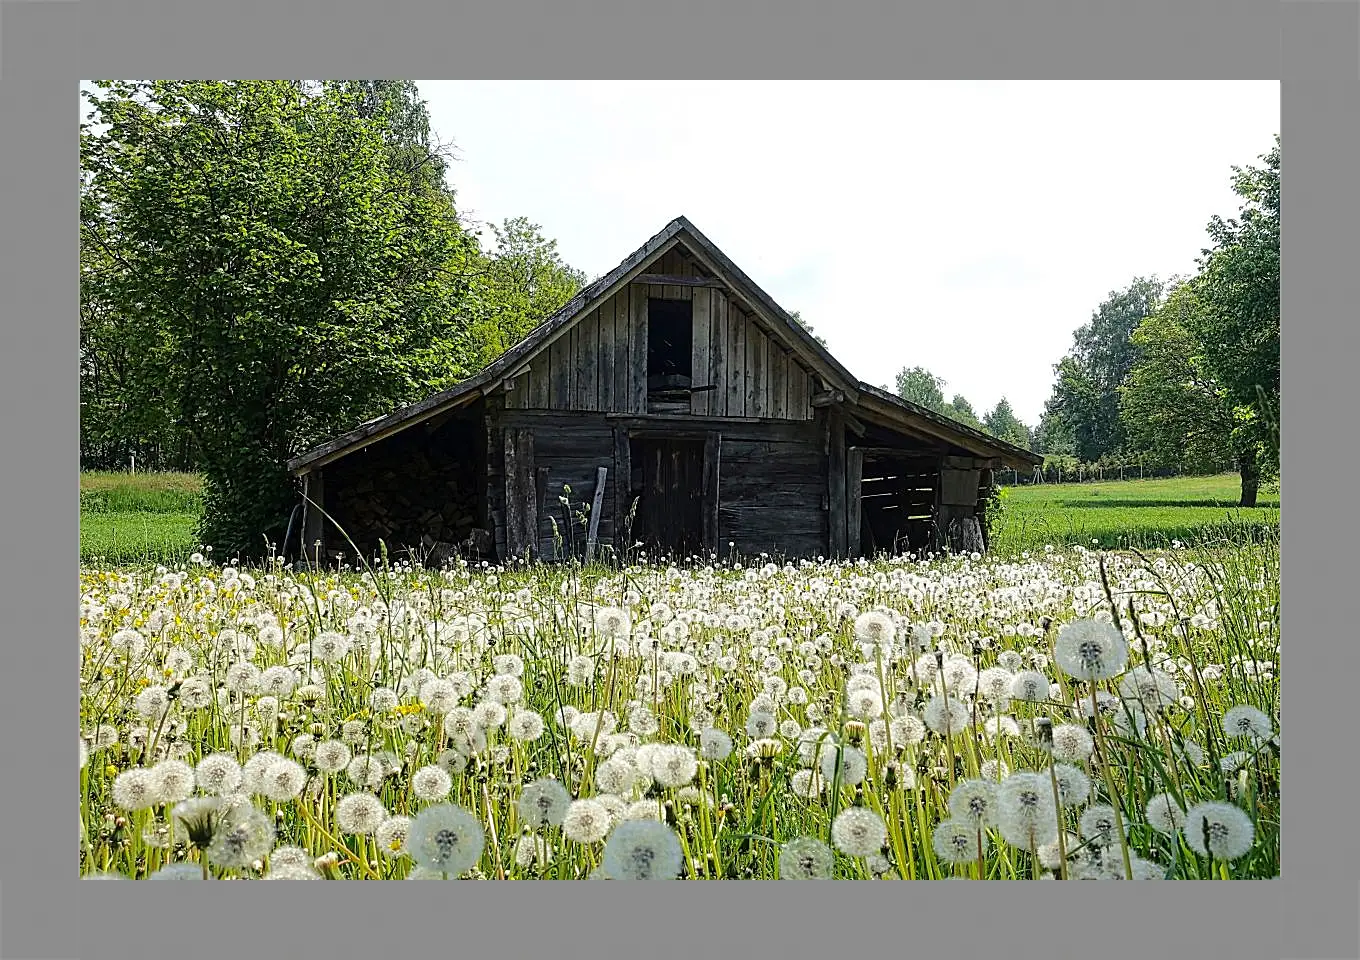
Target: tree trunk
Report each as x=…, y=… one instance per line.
x=1250, y=470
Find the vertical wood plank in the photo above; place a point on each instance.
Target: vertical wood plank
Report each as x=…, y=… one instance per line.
x=712, y=489
x=587, y=362
x=537, y=397
x=559, y=397
x=607, y=356
x=717, y=346
x=638, y=348
x=540, y=511
x=520, y=509
x=699, y=369
x=622, y=336
x=623, y=482
x=854, y=476
x=736, y=392
x=836, y=483
x=778, y=379
x=755, y=361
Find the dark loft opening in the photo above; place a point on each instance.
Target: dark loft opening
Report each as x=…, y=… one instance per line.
x=670, y=338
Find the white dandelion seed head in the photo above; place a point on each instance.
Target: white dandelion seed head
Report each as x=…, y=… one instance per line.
x=218, y=773
x=525, y=726
x=244, y=835
x=760, y=725
x=391, y=836
x=956, y=841
x=134, y=789
x=1074, y=786
x=1090, y=649
x=973, y=802
x=431, y=784
x=854, y=766
x=858, y=832
x=445, y=839
x=172, y=781
x=946, y=715
x=1072, y=743
x=714, y=744
x=1098, y=826
x=1030, y=686
x=331, y=756
x=1164, y=814
x=586, y=821
x=544, y=803
x=806, y=858
x=1247, y=721
x=359, y=814
x=643, y=850
x=674, y=765
x=1026, y=815
x=1227, y=828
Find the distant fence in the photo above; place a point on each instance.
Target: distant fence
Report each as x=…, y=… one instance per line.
x=1087, y=472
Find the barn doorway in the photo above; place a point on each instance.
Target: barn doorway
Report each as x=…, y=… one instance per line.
x=669, y=478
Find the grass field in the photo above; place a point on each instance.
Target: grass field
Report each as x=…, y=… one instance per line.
x=138, y=518
x=151, y=517
x=1131, y=513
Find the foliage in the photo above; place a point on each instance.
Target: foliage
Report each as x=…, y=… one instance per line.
x=1002, y=423
x=1239, y=328
x=278, y=269
x=921, y=387
x=521, y=283
x=1084, y=405
x=1173, y=408
x=961, y=410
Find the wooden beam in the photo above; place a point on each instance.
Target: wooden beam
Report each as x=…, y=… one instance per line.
x=854, y=472
x=623, y=479
x=521, y=510
x=540, y=498
x=712, y=486
x=595, y=506
x=826, y=398
x=853, y=425
x=670, y=280
x=836, y=484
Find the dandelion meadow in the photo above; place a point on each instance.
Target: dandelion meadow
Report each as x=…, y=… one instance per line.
x=1063, y=714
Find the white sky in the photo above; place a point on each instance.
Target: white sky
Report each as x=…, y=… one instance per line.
x=965, y=227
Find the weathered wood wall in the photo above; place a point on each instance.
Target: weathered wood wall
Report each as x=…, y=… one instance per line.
x=600, y=362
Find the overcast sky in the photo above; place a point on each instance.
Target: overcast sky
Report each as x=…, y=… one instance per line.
x=965, y=227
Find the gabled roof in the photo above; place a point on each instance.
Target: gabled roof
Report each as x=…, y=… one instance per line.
x=677, y=231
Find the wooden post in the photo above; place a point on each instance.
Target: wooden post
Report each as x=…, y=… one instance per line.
x=313, y=529
x=595, y=507
x=623, y=481
x=540, y=499
x=854, y=475
x=836, y=483
x=712, y=485
x=521, y=510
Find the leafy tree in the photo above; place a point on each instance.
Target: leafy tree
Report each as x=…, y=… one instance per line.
x=1001, y=422
x=277, y=275
x=522, y=283
x=1239, y=328
x=961, y=410
x=1085, y=400
x=1174, y=409
x=922, y=387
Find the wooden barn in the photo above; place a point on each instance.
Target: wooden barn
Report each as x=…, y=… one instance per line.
x=671, y=403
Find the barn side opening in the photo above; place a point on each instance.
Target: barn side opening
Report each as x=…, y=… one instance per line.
x=668, y=475
x=418, y=491
x=897, y=502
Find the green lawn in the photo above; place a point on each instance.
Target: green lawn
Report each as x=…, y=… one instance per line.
x=1131, y=512
x=138, y=518
x=151, y=517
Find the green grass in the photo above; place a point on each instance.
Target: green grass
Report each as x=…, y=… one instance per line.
x=138, y=518
x=1132, y=513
